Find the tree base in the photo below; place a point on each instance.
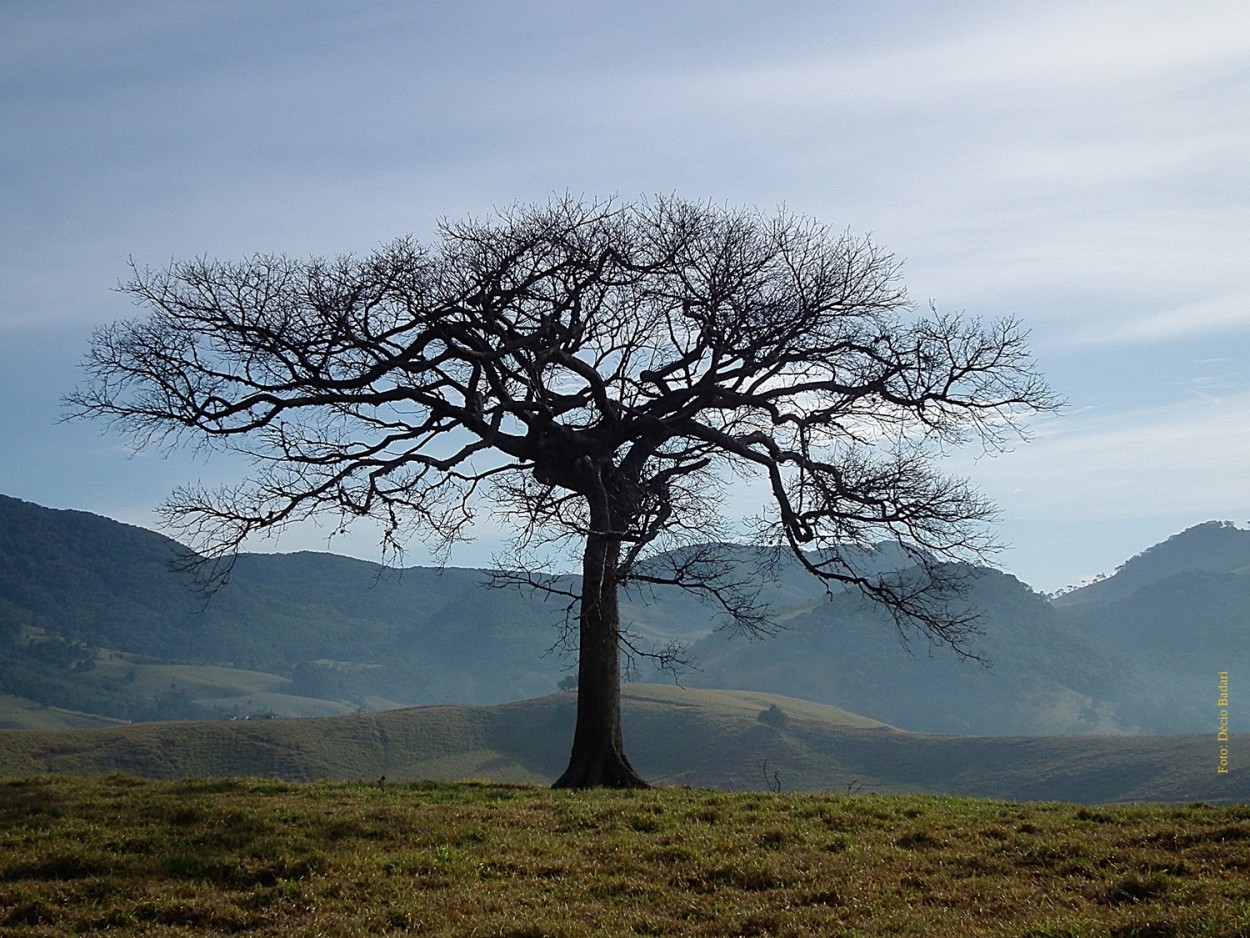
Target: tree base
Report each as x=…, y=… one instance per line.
x=600, y=770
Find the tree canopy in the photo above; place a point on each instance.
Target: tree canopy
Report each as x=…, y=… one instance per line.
x=595, y=372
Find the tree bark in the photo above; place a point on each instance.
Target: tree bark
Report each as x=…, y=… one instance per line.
x=598, y=757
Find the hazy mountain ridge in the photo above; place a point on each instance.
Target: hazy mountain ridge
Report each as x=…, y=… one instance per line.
x=92, y=619
x=1210, y=547
x=1137, y=652
x=1039, y=675
x=71, y=583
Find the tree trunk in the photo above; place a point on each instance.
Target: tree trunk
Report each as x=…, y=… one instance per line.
x=598, y=757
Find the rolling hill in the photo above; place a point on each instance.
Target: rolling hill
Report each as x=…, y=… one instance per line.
x=708, y=739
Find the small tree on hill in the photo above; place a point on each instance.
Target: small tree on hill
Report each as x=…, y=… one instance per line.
x=597, y=372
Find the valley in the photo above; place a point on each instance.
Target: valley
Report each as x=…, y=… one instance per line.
x=302, y=663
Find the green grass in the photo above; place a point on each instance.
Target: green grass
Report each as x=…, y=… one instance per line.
x=210, y=689
x=228, y=690
x=204, y=681
x=21, y=713
x=134, y=857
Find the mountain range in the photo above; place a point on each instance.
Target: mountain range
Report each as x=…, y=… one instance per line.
x=99, y=623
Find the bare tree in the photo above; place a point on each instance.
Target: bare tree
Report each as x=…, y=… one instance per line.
x=596, y=372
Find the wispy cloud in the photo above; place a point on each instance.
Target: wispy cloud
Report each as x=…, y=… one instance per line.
x=1184, y=458
x=1093, y=152
x=1220, y=314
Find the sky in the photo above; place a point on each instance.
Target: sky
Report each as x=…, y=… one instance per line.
x=1084, y=167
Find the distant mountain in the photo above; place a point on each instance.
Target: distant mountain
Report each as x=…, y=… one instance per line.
x=1040, y=675
x=94, y=614
x=95, y=623
x=88, y=606
x=1138, y=652
x=1180, y=612
x=1212, y=547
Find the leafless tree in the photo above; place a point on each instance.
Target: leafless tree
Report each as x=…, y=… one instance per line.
x=596, y=372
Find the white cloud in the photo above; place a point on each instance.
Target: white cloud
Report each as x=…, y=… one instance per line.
x=1190, y=457
x=1016, y=51
x=1207, y=317
x=1092, y=152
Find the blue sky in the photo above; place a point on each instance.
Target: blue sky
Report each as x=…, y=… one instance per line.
x=1080, y=165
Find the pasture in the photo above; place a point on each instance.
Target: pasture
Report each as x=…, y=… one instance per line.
x=231, y=856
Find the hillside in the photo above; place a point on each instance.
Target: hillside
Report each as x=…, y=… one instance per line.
x=1039, y=674
x=1138, y=653
x=96, y=624
x=707, y=739
x=88, y=607
x=96, y=619
x=1213, y=547
x=94, y=614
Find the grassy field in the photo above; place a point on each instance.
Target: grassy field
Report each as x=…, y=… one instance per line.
x=133, y=857
x=23, y=714
x=232, y=691
x=675, y=736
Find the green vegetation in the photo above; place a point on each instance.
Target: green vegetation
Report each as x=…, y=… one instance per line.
x=19, y=713
x=134, y=857
x=93, y=613
x=94, y=623
x=731, y=740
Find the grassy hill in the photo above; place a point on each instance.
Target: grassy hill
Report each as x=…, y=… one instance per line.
x=20, y=713
x=80, y=594
x=730, y=740
x=123, y=856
